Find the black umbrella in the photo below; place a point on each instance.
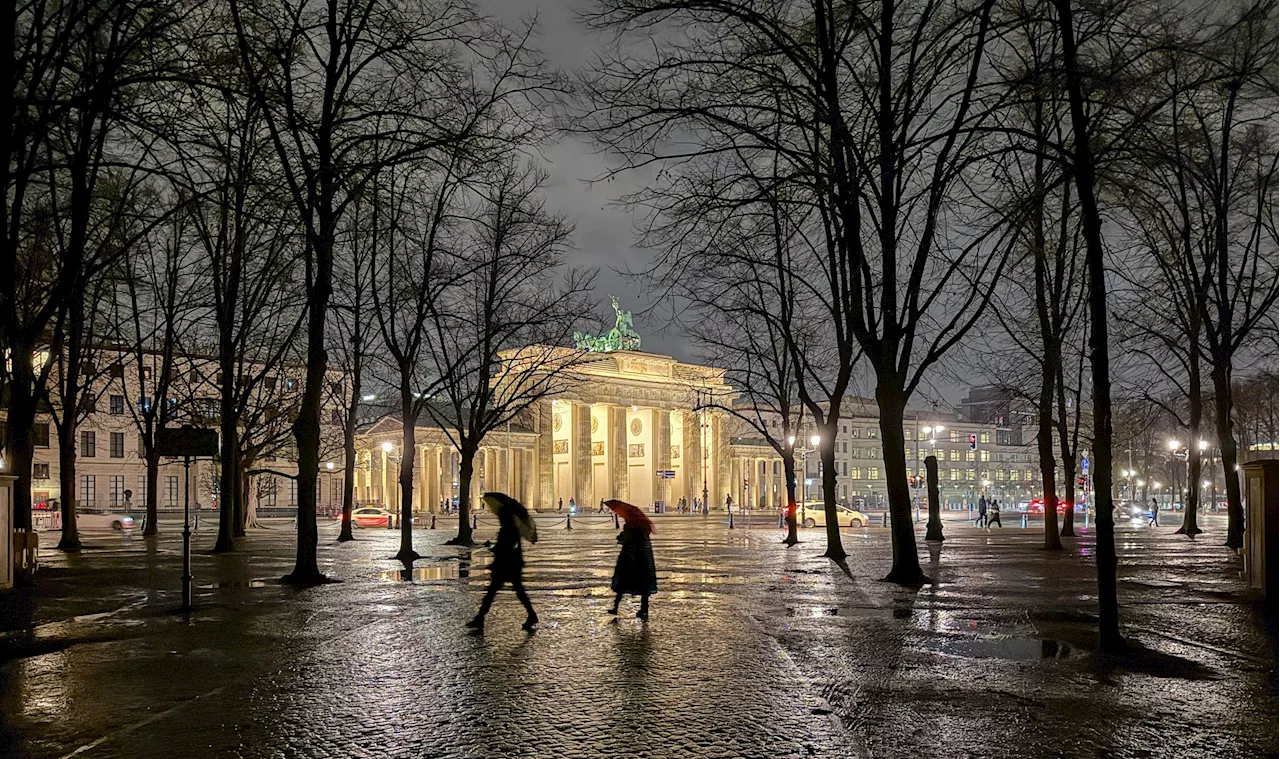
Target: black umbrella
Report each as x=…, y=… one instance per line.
x=503, y=504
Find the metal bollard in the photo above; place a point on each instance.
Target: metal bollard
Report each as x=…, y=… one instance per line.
x=433, y=521
x=615, y=520
x=475, y=521
x=1024, y=521
x=730, y=519
x=884, y=519
x=568, y=521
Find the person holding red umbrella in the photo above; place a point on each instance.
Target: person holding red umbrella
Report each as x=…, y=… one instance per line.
x=635, y=573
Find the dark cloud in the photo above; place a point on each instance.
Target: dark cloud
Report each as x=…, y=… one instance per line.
x=604, y=237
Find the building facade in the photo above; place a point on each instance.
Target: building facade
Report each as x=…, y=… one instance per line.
x=999, y=463
x=110, y=467
x=627, y=424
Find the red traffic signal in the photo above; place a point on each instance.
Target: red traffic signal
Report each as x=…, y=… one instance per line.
x=973, y=442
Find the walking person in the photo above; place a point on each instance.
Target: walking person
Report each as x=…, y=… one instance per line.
x=635, y=573
x=982, y=512
x=514, y=522
x=993, y=514
x=559, y=505
x=1155, y=514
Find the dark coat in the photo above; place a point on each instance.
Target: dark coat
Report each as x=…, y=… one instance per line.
x=508, y=559
x=635, y=572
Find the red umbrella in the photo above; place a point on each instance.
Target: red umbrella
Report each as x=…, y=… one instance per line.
x=634, y=516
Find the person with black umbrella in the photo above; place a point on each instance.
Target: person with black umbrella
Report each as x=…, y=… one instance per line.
x=514, y=522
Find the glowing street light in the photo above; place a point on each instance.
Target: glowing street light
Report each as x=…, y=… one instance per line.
x=814, y=440
x=387, y=446
x=1174, y=445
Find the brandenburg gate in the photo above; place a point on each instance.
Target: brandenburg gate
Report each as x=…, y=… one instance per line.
x=625, y=424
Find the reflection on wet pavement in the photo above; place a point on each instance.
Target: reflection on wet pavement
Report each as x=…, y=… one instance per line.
x=752, y=650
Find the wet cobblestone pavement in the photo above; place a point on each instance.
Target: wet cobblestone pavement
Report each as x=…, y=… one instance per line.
x=753, y=650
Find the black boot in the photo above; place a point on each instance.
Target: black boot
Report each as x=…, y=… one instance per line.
x=531, y=621
x=644, y=608
x=477, y=623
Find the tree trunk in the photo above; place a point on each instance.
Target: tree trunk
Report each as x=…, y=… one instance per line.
x=789, y=475
x=465, y=470
x=827, y=457
x=408, y=451
x=230, y=454
x=891, y=398
x=70, y=540
x=1227, y=443
x=349, y=450
x=153, y=497
x=306, y=428
x=1095, y=260
x=243, y=519
x=934, y=530
x=1195, y=418
x=20, y=419
x=1048, y=475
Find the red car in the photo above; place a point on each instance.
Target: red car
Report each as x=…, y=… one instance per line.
x=367, y=516
x=1037, y=506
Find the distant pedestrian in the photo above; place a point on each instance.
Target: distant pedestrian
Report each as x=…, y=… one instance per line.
x=982, y=512
x=993, y=514
x=514, y=522
x=128, y=501
x=635, y=573
x=559, y=505
x=1155, y=514
x=573, y=507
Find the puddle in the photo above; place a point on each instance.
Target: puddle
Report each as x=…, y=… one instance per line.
x=812, y=611
x=1012, y=649
x=236, y=584
x=444, y=571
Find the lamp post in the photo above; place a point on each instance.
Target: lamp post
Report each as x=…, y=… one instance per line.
x=932, y=431
x=387, y=447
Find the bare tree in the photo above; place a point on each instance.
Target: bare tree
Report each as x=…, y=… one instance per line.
x=74, y=74
x=347, y=88
x=494, y=333
x=153, y=308
x=880, y=105
x=354, y=333
x=410, y=268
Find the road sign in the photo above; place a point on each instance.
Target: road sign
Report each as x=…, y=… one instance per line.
x=1084, y=464
x=667, y=474
x=186, y=441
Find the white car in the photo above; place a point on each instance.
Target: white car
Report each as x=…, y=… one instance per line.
x=104, y=520
x=813, y=514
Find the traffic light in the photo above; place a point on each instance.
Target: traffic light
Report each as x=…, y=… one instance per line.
x=973, y=442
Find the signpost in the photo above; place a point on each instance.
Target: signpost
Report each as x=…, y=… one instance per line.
x=186, y=442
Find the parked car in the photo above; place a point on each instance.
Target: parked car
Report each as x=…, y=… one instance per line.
x=813, y=514
x=104, y=520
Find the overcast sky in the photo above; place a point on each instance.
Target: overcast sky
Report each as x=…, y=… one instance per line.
x=604, y=231
x=603, y=237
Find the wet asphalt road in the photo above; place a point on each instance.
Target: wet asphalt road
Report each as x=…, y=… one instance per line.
x=753, y=650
